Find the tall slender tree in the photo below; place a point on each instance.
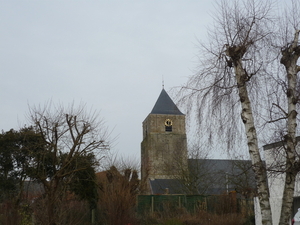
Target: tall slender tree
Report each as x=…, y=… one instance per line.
x=290, y=53
x=236, y=88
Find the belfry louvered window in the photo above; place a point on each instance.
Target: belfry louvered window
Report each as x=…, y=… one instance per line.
x=168, y=125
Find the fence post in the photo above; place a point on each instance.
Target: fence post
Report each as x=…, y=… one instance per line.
x=179, y=201
x=93, y=216
x=152, y=204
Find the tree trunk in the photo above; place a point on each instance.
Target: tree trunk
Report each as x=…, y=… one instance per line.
x=289, y=59
x=50, y=208
x=51, y=193
x=258, y=166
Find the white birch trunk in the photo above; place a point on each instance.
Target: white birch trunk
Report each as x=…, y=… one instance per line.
x=289, y=60
x=258, y=166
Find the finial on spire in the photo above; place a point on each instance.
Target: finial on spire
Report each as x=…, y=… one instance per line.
x=163, y=82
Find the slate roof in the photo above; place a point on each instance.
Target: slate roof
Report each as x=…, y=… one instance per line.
x=165, y=105
x=223, y=174
x=229, y=166
x=212, y=177
x=160, y=186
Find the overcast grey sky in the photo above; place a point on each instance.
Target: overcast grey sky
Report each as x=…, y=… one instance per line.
x=110, y=55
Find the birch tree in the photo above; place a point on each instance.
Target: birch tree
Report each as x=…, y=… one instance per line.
x=290, y=53
x=231, y=88
x=238, y=74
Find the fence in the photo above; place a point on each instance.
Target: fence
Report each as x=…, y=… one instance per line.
x=219, y=204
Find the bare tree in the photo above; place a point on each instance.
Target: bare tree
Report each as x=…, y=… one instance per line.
x=230, y=85
x=240, y=77
x=69, y=135
x=289, y=57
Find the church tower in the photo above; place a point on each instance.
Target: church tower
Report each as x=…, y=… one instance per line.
x=164, y=145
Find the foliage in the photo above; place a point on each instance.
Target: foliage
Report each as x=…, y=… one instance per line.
x=58, y=152
x=25, y=213
x=71, y=138
x=83, y=181
x=16, y=148
x=117, y=195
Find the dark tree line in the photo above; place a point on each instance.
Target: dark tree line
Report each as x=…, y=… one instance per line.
x=58, y=153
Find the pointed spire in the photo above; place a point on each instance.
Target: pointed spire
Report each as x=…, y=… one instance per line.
x=165, y=105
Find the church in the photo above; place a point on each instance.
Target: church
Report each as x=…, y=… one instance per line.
x=165, y=167
x=164, y=145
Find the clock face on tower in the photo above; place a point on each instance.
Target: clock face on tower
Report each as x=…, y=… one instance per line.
x=168, y=122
